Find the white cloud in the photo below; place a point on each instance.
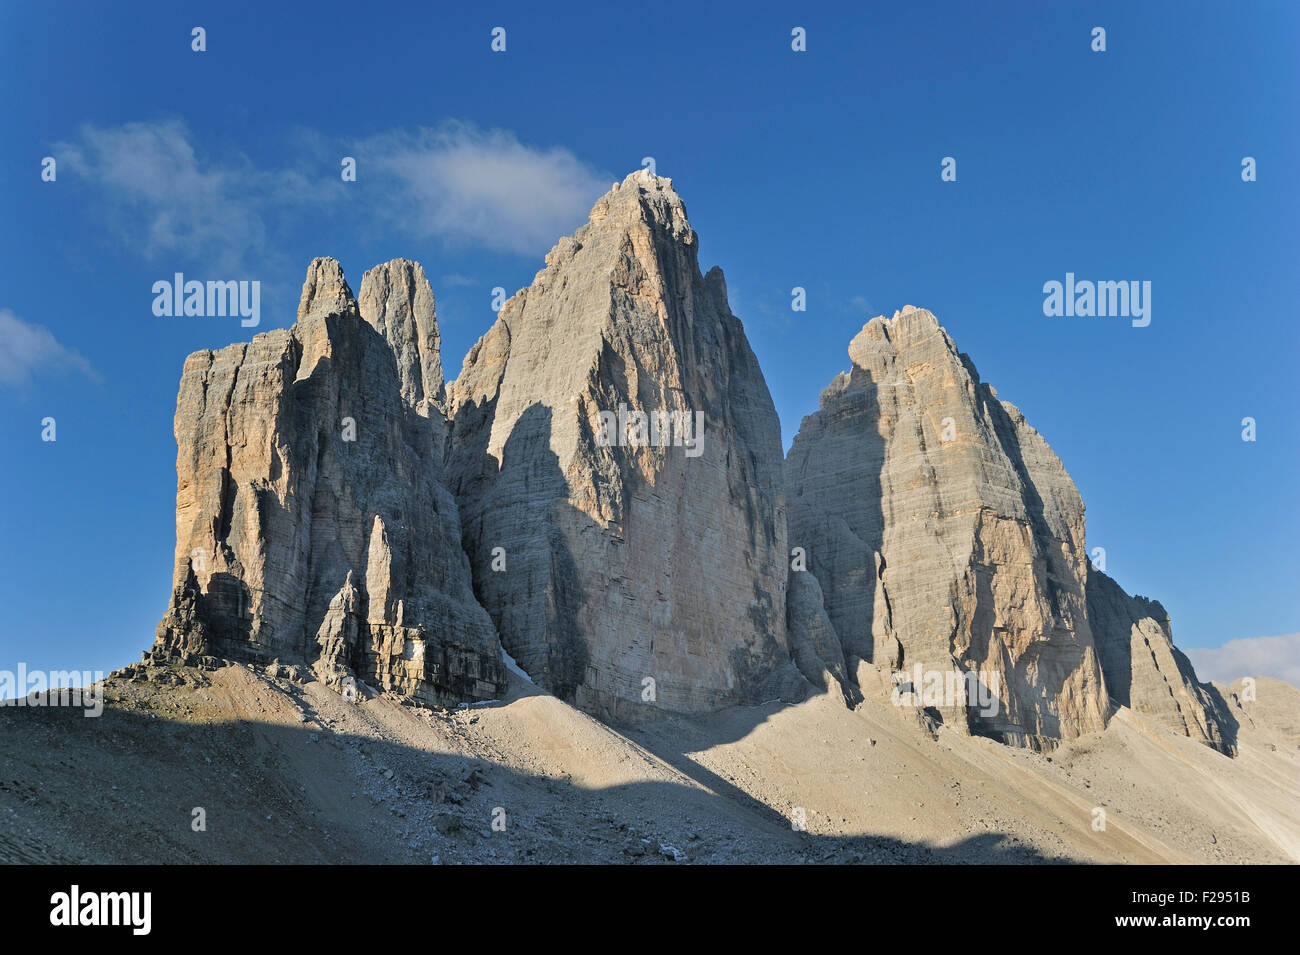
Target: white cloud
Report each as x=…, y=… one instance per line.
x=859, y=304
x=1277, y=657
x=457, y=182
x=26, y=350
x=165, y=199
x=463, y=183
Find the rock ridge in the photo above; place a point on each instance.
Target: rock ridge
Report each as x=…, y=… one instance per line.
x=601, y=491
x=312, y=521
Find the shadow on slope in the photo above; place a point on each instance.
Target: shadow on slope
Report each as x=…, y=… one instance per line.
x=127, y=788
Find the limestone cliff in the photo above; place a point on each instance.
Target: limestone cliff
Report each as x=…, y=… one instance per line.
x=397, y=301
x=617, y=460
x=1146, y=672
x=603, y=486
x=944, y=532
x=312, y=523
x=946, y=536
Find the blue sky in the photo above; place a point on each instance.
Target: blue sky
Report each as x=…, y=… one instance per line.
x=818, y=169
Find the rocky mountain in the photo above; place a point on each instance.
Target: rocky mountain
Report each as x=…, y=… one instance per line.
x=397, y=301
x=601, y=491
x=312, y=522
x=617, y=459
x=1146, y=672
x=947, y=538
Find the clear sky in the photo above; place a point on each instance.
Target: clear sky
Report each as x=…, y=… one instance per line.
x=818, y=169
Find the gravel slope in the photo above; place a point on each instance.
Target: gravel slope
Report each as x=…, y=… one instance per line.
x=291, y=772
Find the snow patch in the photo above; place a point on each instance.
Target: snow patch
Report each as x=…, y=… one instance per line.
x=514, y=667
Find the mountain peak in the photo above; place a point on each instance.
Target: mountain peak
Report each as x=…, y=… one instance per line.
x=614, y=419
x=909, y=324
x=642, y=198
x=398, y=302
x=325, y=290
x=617, y=404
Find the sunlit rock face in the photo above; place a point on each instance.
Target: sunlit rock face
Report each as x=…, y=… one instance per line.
x=312, y=520
x=946, y=536
x=944, y=532
x=632, y=573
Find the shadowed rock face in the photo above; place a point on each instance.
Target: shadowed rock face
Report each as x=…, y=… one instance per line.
x=620, y=508
x=618, y=559
x=945, y=533
x=397, y=301
x=312, y=524
x=1146, y=672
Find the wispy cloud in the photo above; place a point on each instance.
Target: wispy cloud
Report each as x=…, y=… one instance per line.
x=455, y=280
x=463, y=183
x=1277, y=657
x=27, y=350
x=457, y=182
x=164, y=197
x=859, y=304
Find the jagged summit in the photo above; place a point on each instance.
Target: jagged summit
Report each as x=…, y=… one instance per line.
x=946, y=534
x=397, y=300
x=602, y=490
x=648, y=196
x=325, y=291
x=642, y=205
x=312, y=522
x=943, y=534
x=660, y=575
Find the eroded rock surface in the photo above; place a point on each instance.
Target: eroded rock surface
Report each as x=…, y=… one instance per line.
x=607, y=558
x=1146, y=672
x=947, y=536
x=397, y=301
x=312, y=523
x=620, y=509
x=945, y=533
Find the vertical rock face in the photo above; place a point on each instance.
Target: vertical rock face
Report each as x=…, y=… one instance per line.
x=397, y=301
x=946, y=534
x=814, y=644
x=610, y=554
x=1146, y=672
x=311, y=520
x=620, y=508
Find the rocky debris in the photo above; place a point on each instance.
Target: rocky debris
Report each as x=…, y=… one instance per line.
x=168, y=669
x=447, y=823
x=672, y=852
x=1147, y=673
x=182, y=628
x=312, y=522
x=238, y=740
x=945, y=533
x=628, y=571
